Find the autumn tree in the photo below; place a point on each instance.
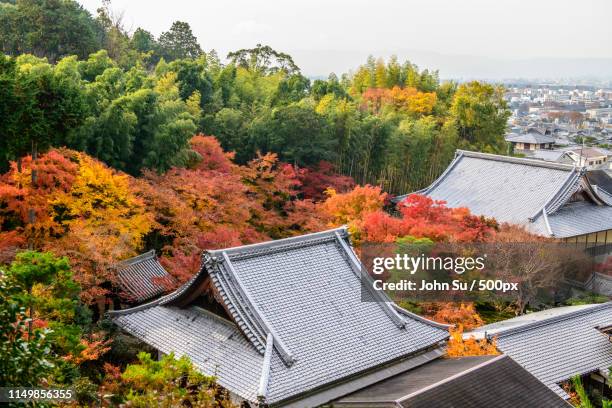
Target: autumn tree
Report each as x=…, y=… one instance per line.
x=102, y=220
x=460, y=345
x=353, y=207
x=537, y=264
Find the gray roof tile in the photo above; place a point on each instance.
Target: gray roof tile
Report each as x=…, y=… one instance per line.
x=477, y=382
x=307, y=292
x=558, y=346
x=527, y=192
x=534, y=138
x=142, y=278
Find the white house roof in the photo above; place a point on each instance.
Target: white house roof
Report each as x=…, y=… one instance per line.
x=297, y=323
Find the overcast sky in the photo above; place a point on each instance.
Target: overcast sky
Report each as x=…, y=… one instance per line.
x=335, y=35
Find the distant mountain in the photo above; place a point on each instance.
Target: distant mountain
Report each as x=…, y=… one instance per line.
x=317, y=63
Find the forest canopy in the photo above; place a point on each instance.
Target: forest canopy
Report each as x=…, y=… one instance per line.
x=115, y=142
x=134, y=101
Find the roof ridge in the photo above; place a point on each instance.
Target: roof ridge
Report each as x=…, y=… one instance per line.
x=553, y=319
x=279, y=242
x=256, y=248
x=136, y=259
x=258, y=320
x=420, y=318
x=134, y=309
x=555, y=200
x=517, y=160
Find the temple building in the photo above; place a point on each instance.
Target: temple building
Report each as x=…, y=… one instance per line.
x=290, y=323
x=141, y=278
x=283, y=323
x=549, y=199
x=557, y=344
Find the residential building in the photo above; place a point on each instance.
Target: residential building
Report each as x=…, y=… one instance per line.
x=590, y=157
x=530, y=141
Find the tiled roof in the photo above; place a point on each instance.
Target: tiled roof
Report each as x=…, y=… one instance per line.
x=580, y=218
x=142, y=278
x=216, y=346
x=600, y=284
x=600, y=178
x=519, y=191
x=533, y=138
x=548, y=155
x=559, y=345
x=478, y=382
x=303, y=295
x=590, y=152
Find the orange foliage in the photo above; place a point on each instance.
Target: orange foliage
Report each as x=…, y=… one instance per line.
x=352, y=208
x=92, y=349
x=81, y=209
x=212, y=155
x=450, y=313
x=216, y=204
x=422, y=217
x=458, y=346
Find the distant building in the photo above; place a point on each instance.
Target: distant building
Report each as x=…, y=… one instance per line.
x=590, y=157
x=530, y=141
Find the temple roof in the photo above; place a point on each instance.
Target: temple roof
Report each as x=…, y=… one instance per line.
x=528, y=192
x=296, y=313
x=556, y=344
x=142, y=278
x=479, y=382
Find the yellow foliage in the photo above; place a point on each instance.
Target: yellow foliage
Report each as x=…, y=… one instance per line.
x=100, y=210
x=193, y=104
x=325, y=104
x=458, y=346
x=412, y=101
x=166, y=86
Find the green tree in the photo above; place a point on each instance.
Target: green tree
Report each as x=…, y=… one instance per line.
x=48, y=28
x=24, y=359
x=179, y=42
x=169, y=382
x=296, y=133
x=481, y=114
x=263, y=59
